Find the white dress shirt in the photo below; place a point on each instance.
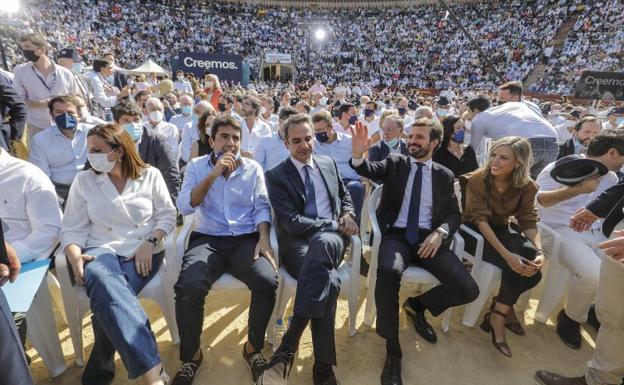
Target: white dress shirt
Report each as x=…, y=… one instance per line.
x=96, y=215
x=98, y=84
x=426, y=195
x=30, y=84
x=560, y=214
x=183, y=86
x=28, y=207
x=169, y=132
x=181, y=121
x=58, y=156
x=323, y=204
x=190, y=135
x=270, y=151
x=251, y=138
x=338, y=128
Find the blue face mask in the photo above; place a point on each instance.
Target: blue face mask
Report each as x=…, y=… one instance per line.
x=579, y=148
x=392, y=143
x=322, y=137
x=187, y=110
x=619, y=121
x=458, y=136
x=134, y=129
x=352, y=120
x=368, y=113
x=66, y=121
x=402, y=110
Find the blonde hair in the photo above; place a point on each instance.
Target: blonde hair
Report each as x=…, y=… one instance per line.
x=385, y=114
x=215, y=79
x=521, y=149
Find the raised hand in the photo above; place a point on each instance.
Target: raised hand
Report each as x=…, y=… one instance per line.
x=359, y=140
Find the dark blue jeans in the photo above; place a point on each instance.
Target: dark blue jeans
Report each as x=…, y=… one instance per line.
x=119, y=321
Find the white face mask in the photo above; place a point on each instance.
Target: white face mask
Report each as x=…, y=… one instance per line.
x=570, y=123
x=100, y=162
x=262, y=110
x=181, y=78
x=156, y=116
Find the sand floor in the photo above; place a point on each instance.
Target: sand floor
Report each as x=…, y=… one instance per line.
x=461, y=356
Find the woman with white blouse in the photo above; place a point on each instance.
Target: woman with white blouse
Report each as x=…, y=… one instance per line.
x=116, y=217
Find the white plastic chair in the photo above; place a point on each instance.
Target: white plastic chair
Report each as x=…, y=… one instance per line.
x=77, y=302
x=349, y=272
x=227, y=281
x=556, y=279
x=412, y=275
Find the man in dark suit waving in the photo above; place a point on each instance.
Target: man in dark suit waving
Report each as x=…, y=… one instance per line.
x=314, y=215
x=418, y=215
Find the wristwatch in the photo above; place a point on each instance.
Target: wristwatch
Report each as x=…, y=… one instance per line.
x=152, y=240
x=443, y=233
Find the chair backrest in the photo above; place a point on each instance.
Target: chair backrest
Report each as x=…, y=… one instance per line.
x=373, y=203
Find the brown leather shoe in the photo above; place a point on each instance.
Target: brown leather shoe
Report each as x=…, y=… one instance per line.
x=548, y=378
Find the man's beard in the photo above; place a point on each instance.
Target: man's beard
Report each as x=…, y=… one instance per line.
x=419, y=152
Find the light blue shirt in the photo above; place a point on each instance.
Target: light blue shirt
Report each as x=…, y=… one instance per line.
x=270, y=151
x=232, y=206
x=58, y=156
x=340, y=151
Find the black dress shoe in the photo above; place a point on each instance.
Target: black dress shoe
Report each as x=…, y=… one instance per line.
x=420, y=323
x=391, y=374
x=568, y=330
x=592, y=319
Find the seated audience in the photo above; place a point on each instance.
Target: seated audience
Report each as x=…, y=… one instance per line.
x=453, y=154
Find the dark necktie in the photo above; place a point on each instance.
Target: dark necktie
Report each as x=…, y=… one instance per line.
x=309, y=210
x=411, y=232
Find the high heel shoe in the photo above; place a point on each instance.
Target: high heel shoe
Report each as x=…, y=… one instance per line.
x=486, y=326
x=513, y=326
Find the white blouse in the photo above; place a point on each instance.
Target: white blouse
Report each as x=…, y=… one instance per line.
x=96, y=215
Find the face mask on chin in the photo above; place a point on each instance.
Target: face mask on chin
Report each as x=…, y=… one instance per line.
x=30, y=55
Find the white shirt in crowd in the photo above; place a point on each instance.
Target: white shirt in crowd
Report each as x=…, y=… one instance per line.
x=30, y=84
x=169, y=132
x=270, y=151
x=425, y=216
x=181, y=121
x=251, y=138
x=28, y=207
x=58, y=156
x=559, y=214
x=190, y=135
x=373, y=126
x=339, y=128
x=183, y=86
x=323, y=204
x=509, y=119
x=99, y=85
x=97, y=215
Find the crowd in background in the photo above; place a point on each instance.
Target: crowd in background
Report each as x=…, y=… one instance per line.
x=418, y=47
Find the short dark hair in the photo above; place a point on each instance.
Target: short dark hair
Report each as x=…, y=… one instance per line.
x=295, y=120
x=227, y=121
x=140, y=94
x=435, y=129
x=604, y=141
x=344, y=108
x=287, y=112
x=448, y=126
x=126, y=107
x=255, y=103
x=479, y=103
x=99, y=64
x=586, y=119
x=514, y=88
x=374, y=103
x=65, y=99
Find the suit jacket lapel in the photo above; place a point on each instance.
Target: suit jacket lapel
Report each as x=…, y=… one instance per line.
x=385, y=150
x=436, y=182
x=294, y=178
x=404, y=171
x=329, y=177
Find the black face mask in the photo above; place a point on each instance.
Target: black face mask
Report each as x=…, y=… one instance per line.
x=222, y=107
x=30, y=55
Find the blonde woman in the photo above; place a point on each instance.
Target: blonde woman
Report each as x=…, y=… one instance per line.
x=491, y=196
x=213, y=89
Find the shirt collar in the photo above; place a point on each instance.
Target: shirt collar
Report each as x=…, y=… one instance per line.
x=428, y=163
x=58, y=132
x=300, y=165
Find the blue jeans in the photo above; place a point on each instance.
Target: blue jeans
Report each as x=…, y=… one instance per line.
x=119, y=321
x=545, y=151
x=357, y=191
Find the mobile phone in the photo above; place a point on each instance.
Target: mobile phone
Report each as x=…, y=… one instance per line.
x=4, y=256
x=524, y=261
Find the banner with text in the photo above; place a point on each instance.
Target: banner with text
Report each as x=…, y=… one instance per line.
x=226, y=67
x=600, y=85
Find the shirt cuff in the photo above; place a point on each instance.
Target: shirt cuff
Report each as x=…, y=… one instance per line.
x=357, y=161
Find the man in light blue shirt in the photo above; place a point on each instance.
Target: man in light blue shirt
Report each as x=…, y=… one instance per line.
x=337, y=146
x=271, y=150
x=228, y=197
x=61, y=150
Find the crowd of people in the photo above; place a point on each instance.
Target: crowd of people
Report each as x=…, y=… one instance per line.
x=417, y=47
x=108, y=165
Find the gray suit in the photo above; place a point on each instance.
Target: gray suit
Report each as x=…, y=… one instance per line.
x=311, y=248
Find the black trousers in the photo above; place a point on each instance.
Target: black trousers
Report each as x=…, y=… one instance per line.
x=457, y=287
x=14, y=367
x=207, y=259
x=313, y=263
x=512, y=284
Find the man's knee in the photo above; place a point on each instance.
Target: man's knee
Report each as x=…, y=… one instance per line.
x=265, y=284
x=468, y=289
x=191, y=285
